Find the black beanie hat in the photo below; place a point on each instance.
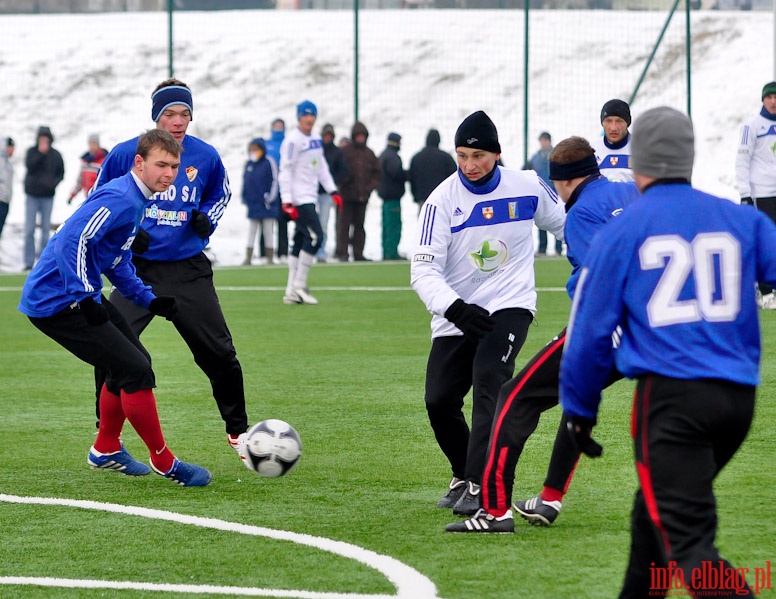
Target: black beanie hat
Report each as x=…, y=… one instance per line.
x=616, y=108
x=769, y=88
x=478, y=131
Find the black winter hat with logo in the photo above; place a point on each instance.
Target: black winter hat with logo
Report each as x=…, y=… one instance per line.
x=478, y=131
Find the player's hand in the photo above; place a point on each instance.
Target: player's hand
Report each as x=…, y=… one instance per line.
x=747, y=201
x=337, y=200
x=141, y=242
x=201, y=223
x=290, y=210
x=164, y=305
x=472, y=319
x=580, y=430
x=94, y=312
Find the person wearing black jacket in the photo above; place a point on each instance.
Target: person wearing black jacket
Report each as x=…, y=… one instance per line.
x=45, y=169
x=338, y=168
x=391, y=189
x=428, y=168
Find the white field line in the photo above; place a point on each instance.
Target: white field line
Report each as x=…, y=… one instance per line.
x=409, y=583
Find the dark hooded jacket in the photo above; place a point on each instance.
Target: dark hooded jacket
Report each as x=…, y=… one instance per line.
x=44, y=170
x=429, y=167
x=363, y=168
x=260, y=187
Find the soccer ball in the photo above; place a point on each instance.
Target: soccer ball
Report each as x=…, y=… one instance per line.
x=272, y=448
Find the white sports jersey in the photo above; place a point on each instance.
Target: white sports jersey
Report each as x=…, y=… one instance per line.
x=613, y=164
x=476, y=243
x=302, y=167
x=756, y=161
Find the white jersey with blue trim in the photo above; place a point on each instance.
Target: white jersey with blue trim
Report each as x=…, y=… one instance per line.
x=614, y=163
x=756, y=158
x=683, y=294
x=476, y=243
x=302, y=167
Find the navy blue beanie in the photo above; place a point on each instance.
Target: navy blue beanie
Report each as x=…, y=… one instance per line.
x=170, y=96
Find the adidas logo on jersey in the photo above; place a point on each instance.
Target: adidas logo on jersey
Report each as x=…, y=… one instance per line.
x=457, y=211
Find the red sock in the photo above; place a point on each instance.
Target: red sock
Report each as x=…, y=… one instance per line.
x=111, y=422
x=550, y=494
x=140, y=408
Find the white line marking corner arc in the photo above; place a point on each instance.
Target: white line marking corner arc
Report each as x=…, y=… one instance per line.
x=409, y=583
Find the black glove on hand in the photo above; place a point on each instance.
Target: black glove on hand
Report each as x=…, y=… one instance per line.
x=164, y=305
x=141, y=241
x=580, y=429
x=94, y=312
x=747, y=201
x=201, y=223
x=470, y=318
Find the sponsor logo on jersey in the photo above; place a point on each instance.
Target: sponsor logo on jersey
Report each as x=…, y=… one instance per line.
x=191, y=173
x=487, y=212
x=512, y=210
x=457, y=211
x=174, y=218
x=490, y=254
x=423, y=258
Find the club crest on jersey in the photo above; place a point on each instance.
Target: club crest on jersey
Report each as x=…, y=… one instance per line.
x=512, y=210
x=191, y=173
x=490, y=254
x=487, y=212
x=614, y=160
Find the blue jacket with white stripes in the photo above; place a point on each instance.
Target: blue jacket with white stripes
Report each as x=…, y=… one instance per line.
x=95, y=240
x=201, y=184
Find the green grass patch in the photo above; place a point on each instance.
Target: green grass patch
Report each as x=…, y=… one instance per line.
x=349, y=375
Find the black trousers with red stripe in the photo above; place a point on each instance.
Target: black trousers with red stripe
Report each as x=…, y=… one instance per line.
x=684, y=432
x=521, y=402
x=456, y=365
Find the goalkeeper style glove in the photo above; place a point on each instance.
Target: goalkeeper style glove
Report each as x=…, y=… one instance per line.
x=337, y=200
x=472, y=319
x=580, y=430
x=290, y=210
x=201, y=223
x=164, y=305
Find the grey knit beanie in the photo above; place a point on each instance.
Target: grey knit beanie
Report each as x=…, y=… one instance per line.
x=663, y=144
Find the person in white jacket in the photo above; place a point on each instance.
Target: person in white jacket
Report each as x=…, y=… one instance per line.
x=302, y=168
x=756, y=169
x=473, y=269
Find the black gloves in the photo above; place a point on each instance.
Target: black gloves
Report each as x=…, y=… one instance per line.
x=94, y=312
x=747, y=201
x=164, y=305
x=201, y=223
x=141, y=241
x=470, y=318
x=580, y=429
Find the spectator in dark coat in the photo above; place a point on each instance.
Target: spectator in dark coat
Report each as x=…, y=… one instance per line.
x=276, y=137
x=260, y=195
x=428, y=168
x=338, y=168
x=363, y=178
x=391, y=190
x=45, y=170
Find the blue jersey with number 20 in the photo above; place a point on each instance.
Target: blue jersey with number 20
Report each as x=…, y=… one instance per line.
x=677, y=271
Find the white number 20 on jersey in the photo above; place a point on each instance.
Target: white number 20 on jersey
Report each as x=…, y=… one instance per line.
x=714, y=259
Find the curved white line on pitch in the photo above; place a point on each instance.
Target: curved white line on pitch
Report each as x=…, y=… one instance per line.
x=409, y=583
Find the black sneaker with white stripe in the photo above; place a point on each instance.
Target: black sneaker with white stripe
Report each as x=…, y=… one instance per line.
x=482, y=521
x=537, y=511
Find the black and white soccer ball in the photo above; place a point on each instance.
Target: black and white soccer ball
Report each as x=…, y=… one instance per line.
x=272, y=448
